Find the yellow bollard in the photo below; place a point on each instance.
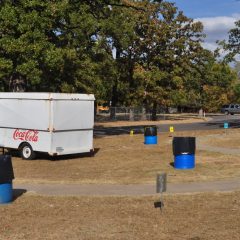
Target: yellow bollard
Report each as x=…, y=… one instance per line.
x=171, y=130
x=131, y=133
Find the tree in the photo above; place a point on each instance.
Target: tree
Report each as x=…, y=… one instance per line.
x=219, y=88
x=168, y=47
x=48, y=45
x=118, y=33
x=133, y=53
x=237, y=68
x=236, y=87
x=210, y=84
x=232, y=46
x=26, y=43
x=232, y=49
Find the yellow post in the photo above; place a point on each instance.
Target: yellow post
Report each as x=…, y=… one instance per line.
x=131, y=133
x=171, y=130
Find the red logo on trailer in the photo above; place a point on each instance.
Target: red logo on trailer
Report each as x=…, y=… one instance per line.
x=27, y=135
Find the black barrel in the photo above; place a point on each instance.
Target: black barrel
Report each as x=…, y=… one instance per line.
x=150, y=131
x=6, y=169
x=6, y=177
x=184, y=145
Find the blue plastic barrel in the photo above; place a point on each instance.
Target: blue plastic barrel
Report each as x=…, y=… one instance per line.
x=150, y=140
x=6, y=177
x=184, y=161
x=150, y=135
x=6, y=192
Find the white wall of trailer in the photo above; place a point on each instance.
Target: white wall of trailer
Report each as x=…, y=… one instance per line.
x=70, y=115
x=24, y=113
x=69, y=142
x=12, y=138
x=50, y=122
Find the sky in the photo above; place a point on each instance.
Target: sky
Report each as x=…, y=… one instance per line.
x=217, y=16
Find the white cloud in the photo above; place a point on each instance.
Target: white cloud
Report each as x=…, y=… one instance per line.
x=209, y=46
x=217, y=28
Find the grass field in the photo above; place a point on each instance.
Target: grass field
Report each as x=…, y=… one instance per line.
x=230, y=139
x=125, y=159
x=195, y=217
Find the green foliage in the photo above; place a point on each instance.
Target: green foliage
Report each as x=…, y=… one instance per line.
x=237, y=93
x=46, y=42
x=127, y=52
x=217, y=89
x=167, y=49
x=237, y=68
x=232, y=46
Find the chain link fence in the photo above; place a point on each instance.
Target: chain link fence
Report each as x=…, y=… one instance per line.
x=142, y=114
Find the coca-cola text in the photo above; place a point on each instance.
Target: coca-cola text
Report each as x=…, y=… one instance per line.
x=26, y=135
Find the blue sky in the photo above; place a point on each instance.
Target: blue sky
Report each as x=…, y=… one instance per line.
x=217, y=16
x=208, y=8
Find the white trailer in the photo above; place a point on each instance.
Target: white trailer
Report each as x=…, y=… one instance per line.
x=54, y=123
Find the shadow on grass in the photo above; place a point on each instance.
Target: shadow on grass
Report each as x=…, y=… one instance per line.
x=171, y=164
x=47, y=157
x=18, y=192
x=101, y=131
x=71, y=156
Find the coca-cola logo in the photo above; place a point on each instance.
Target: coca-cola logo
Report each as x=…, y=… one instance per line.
x=26, y=135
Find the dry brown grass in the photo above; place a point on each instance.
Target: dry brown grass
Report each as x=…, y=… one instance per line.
x=125, y=159
x=192, y=217
x=229, y=139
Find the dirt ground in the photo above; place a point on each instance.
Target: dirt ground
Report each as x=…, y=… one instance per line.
x=125, y=159
x=192, y=217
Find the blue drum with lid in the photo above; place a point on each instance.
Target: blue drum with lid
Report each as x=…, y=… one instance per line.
x=184, y=152
x=6, y=177
x=150, y=135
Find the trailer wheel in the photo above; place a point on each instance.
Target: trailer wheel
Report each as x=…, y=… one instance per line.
x=27, y=152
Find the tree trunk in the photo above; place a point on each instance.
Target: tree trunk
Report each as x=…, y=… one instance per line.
x=131, y=114
x=4, y=86
x=200, y=113
x=154, y=112
x=113, y=113
x=17, y=83
x=114, y=98
x=144, y=115
x=113, y=102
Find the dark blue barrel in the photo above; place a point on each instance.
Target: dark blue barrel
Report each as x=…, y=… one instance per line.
x=6, y=177
x=150, y=135
x=184, y=152
x=184, y=161
x=6, y=192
